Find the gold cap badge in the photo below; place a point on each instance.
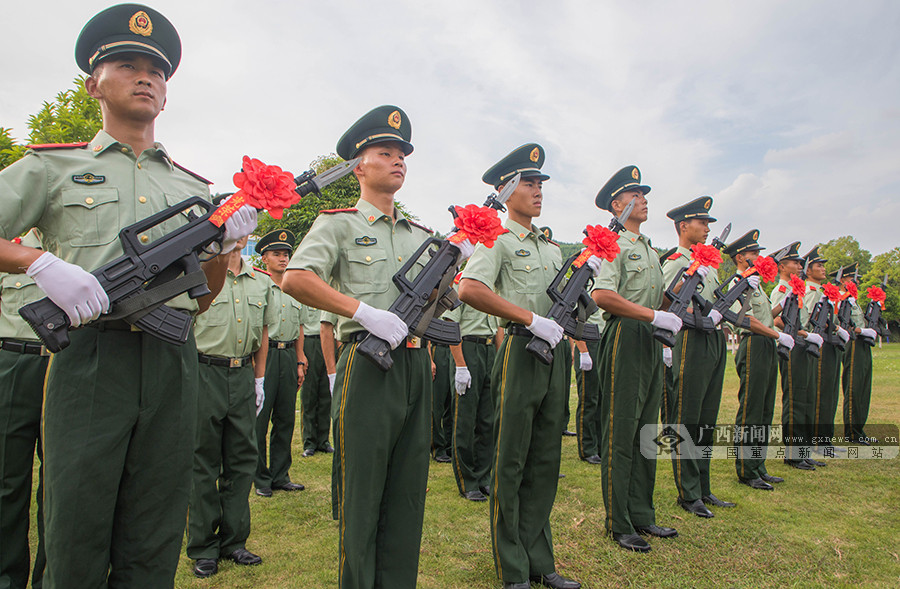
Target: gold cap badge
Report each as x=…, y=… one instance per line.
x=394, y=119
x=635, y=174
x=707, y=204
x=755, y=235
x=282, y=236
x=140, y=24
x=535, y=154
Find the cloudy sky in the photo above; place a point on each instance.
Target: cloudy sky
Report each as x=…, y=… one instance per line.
x=788, y=113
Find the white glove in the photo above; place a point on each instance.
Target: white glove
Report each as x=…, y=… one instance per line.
x=702, y=271
x=815, y=339
x=786, y=340
x=667, y=356
x=585, y=363
x=380, y=323
x=463, y=380
x=842, y=333
x=868, y=332
x=852, y=300
x=753, y=281
x=331, y=379
x=715, y=316
x=71, y=287
x=465, y=247
x=238, y=226
x=595, y=263
x=260, y=393
x=668, y=321
x=547, y=329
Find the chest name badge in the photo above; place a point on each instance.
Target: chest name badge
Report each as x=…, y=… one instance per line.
x=634, y=256
x=366, y=240
x=523, y=253
x=88, y=178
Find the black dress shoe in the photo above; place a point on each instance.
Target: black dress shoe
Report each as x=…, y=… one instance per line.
x=595, y=459
x=555, y=581
x=525, y=585
x=205, y=567
x=757, y=483
x=771, y=479
x=442, y=458
x=485, y=490
x=475, y=495
x=264, y=491
x=244, y=557
x=814, y=462
x=631, y=542
x=288, y=486
x=715, y=501
x=308, y=452
x=696, y=507
x=800, y=465
x=569, y=433
x=658, y=531
x=327, y=448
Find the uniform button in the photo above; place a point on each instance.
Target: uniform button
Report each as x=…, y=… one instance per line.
x=237, y=300
x=98, y=147
x=89, y=200
x=239, y=319
x=399, y=258
x=240, y=341
x=368, y=258
x=145, y=238
x=545, y=267
x=235, y=281
x=527, y=267
x=139, y=165
x=18, y=284
x=521, y=235
x=124, y=150
x=283, y=305
x=282, y=320
x=142, y=199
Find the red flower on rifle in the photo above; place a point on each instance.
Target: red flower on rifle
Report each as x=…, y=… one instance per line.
x=832, y=292
x=852, y=290
x=478, y=225
x=797, y=286
x=766, y=268
x=706, y=255
x=266, y=187
x=875, y=293
x=601, y=242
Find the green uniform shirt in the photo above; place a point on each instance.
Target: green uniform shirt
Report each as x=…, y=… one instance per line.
x=682, y=259
x=597, y=319
x=81, y=197
x=760, y=307
x=813, y=294
x=635, y=272
x=519, y=267
x=311, y=318
x=472, y=321
x=857, y=317
x=783, y=290
x=326, y=317
x=358, y=252
x=17, y=290
x=233, y=325
x=286, y=315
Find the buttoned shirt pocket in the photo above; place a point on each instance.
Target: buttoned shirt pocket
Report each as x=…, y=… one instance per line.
x=90, y=216
x=368, y=271
x=257, y=306
x=219, y=312
x=525, y=280
x=636, y=275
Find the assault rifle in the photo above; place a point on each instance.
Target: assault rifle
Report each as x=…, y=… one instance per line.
x=139, y=282
x=790, y=316
x=572, y=304
x=739, y=292
x=873, y=317
x=681, y=301
x=417, y=304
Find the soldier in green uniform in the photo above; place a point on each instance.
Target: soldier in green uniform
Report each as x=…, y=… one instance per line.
x=827, y=367
x=232, y=346
x=698, y=365
x=857, y=376
x=381, y=419
x=587, y=379
x=630, y=289
x=315, y=395
x=797, y=386
x=23, y=366
x=285, y=369
x=509, y=281
x=473, y=417
x=757, y=366
x=442, y=404
x=120, y=405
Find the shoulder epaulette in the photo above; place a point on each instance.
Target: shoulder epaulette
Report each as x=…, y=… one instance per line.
x=422, y=227
x=553, y=242
x=782, y=288
x=194, y=174
x=674, y=256
x=43, y=146
x=261, y=270
x=333, y=211
x=812, y=288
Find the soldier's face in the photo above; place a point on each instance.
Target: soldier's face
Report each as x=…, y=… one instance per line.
x=695, y=230
x=382, y=167
x=528, y=197
x=791, y=267
x=276, y=260
x=817, y=271
x=129, y=86
x=641, y=209
x=750, y=256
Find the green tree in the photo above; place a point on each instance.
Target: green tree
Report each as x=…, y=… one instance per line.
x=844, y=251
x=886, y=263
x=9, y=150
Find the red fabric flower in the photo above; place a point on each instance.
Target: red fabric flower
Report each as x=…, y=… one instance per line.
x=851, y=289
x=265, y=187
x=766, y=268
x=477, y=224
x=875, y=293
x=601, y=242
x=832, y=292
x=703, y=255
x=798, y=287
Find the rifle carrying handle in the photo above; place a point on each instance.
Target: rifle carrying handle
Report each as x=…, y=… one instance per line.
x=49, y=322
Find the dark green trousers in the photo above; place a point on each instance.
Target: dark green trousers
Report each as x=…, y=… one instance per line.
x=698, y=369
x=857, y=383
x=279, y=407
x=587, y=413
x=528, y=418
x=797, y=402
x=828, y=385
x=567, y=354
x=631, y=374
x=757, y=368
x=21, y=399
x=381, y=467
x=315, y=397
x=119, y=419
x=668, y=394
x=473, y=419
x=224, y=462
x=442, y=406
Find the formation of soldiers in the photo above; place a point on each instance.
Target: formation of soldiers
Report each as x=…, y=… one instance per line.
x=140, y=436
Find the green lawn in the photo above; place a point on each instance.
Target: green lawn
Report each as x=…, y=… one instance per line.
x=837, y=526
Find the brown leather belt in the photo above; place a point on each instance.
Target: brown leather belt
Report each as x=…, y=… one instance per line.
x=226, y=362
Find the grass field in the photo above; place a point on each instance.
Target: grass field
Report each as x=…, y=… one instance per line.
x=838, y=526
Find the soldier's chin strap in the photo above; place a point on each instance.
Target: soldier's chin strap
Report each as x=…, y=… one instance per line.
x=445, y=301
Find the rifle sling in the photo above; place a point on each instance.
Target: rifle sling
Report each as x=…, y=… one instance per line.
x=133, y=308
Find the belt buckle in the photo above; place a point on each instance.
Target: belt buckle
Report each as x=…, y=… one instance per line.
x=413, y=342
x=44, y=350
x=234, y=362
x=280, y=345
x=489, y=341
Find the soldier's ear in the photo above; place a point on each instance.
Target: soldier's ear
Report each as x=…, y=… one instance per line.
x=90, y=83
